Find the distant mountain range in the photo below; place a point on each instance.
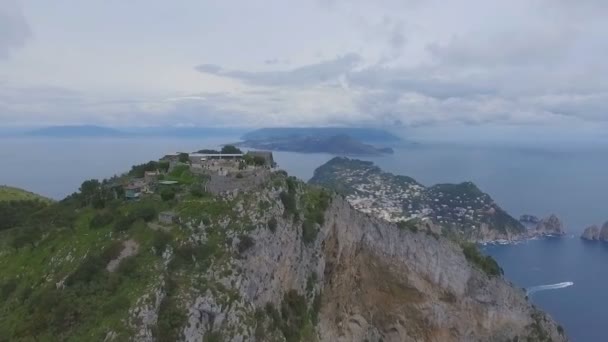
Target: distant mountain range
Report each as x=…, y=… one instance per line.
x=76, y=131
x=370, y=135
x=335, y=144
x=92, y=131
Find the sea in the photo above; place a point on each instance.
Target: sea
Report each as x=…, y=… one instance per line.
x=565, y=276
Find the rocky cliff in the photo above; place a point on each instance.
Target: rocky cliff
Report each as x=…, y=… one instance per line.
x=591, y=233
x=282, y=262
x=551, y=225
x=604, y=232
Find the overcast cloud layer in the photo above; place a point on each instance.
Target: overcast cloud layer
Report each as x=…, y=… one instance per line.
x=318, y=62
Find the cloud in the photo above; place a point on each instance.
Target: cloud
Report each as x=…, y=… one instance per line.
x=306, y=75
x=14, y=30
x=358, y=62
x=515, y=48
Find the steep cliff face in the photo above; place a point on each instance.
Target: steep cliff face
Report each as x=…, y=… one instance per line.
x=359, y=279
x=591, y=233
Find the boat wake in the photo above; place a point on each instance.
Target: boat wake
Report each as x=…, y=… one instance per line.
x=539, y=288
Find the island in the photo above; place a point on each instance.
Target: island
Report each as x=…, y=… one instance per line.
x=594, y=233
x=334, y=144
x=364, y=134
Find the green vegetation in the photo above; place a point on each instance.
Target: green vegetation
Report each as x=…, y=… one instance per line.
x=272, y=224
x=484, y=262
x=182, y=174
x=230, y=149
x=536, y=331
x=295, y=320
x=316, y=202
x=8, y=193
x=167, y=194
x=183, y=158
x=170, y=316
x=411, y=225
x=138, y=171
x=245, y=242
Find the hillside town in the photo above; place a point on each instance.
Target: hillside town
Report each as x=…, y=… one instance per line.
x=462, y=208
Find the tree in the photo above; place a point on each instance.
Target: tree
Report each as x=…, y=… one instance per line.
x=231, y=149
x=163, y=166
x=184, y=158
x=259, y=161
x=167, y=194
x=89, y=190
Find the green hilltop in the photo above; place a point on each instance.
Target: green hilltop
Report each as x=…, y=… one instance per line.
x=8, y=193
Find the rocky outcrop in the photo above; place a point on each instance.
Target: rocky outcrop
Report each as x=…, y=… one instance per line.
x=370, y=281
x=591, y=233
x=604, y=232
x=551, y=225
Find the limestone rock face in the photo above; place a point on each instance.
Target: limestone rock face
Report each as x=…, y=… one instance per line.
x=591, y=233
x=604, y=232
x=551, y=225
x=375, y=282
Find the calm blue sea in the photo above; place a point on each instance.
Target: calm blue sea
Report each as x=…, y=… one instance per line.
x=569, y=179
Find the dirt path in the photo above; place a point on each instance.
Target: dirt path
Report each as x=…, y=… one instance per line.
x=130, y=247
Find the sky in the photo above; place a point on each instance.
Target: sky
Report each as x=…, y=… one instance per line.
x=386, y=63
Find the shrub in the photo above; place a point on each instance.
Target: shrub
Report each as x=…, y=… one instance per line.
x=138, y=171
x=289, y=202
x=86, y=271
x=128, y=267
x=183, y=157
x=259, y=161
x=239, y=175
x=123, y=223
x=197, y=191
x=231, y=149
x=484, y=262
x=410, y=225
x=245, y=242
x=144, y=212
x=7, y=288
x=294, y=315
x=167, y=194
x=160, y=240
x=309, y=231
x=170, y=319
x=101, y=219
x=272, y=224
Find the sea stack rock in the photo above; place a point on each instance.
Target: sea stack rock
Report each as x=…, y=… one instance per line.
x=553, y=226
x=604, y=232
x=591, y=233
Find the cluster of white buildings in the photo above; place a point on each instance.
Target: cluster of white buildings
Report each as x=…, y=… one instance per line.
x=397, y=199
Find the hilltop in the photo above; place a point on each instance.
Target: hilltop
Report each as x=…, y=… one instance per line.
x=191, y=248
x=8, y=193
x=463, y=210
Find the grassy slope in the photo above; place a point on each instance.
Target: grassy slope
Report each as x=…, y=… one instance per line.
x=8, y=193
